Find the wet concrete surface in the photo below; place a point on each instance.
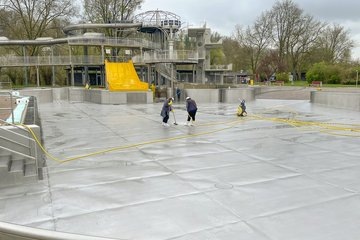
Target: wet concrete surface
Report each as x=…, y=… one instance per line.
x=258, y=177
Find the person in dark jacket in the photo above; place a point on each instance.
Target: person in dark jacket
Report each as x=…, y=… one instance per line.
x=167, y=107
x=191, y=108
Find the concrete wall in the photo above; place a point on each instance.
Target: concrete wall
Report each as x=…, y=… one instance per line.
x=345, y=100
x=76, y=94
x=203, y=95
x=43, y=95
x=225, y=95
x=233, y=95
x=99, y=96
x=60, y=94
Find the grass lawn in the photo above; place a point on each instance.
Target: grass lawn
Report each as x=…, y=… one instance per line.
x=306, y=84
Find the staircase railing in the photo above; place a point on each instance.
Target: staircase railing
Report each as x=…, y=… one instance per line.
x=20, y=143
x=11, y=108
x=166, y=72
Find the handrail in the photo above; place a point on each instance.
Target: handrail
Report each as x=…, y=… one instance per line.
x=149, y=56
x=162, y=69
x=111, y=41
x=31, y=141
x=12, y=141
x=16, y=126
x=11, y=106
x=19, y=153
x=69, y=28
x=171, y=56
x=18, y=232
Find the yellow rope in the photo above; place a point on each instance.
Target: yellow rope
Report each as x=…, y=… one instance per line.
x=328, y=128
x=124, y=147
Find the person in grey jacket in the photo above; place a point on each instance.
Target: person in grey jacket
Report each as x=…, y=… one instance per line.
x=167, y=107
x=191, y=108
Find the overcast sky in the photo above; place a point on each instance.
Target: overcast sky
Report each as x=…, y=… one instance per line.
x=222, y=15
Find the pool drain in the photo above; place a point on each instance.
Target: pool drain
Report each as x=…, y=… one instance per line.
x=224, y=185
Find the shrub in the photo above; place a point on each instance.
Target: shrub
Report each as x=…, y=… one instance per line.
x=333, y=74
x=282, y=77
x=316, y=72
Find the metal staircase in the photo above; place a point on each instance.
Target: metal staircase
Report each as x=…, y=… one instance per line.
x=166, y=71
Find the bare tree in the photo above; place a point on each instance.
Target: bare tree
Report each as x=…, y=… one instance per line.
x=295, y=33
x=286, y=15
x=30, y=19
x=255, y=39
x=108, y=11
x=301, y=41
x=335, y=44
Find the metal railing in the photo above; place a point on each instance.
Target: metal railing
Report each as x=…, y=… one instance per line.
x=166, y=72
x=185, y=56
x=149, y=57
x=11, y=108
x=228, y=67
x=114, y=42
x=6, y=85
x=17, y=61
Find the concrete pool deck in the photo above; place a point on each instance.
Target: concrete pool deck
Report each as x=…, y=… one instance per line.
x=262, y=177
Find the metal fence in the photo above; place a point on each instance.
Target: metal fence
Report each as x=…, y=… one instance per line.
x=148, y=57
x=171, y=56
x=17, y=61
x=114, y=42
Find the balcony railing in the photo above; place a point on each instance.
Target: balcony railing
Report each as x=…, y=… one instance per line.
x=185, y=56
x=17, y=61
x=149, y=57
x=220, y=68
x=114, y=42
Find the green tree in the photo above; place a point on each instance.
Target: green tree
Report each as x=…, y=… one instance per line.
x=234, y=54
x=217, y=56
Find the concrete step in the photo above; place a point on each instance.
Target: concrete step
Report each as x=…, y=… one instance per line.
x=17, y=168
x=5, y=163
x=30, y=173
x=19, y=173
x=30, y=170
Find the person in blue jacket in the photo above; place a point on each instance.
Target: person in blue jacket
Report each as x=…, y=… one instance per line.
x=242, y=109
x=167, y=107
x=191, y=108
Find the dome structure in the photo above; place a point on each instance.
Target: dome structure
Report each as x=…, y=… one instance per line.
x=157, y=19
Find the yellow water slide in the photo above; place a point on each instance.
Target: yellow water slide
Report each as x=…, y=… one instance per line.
x=123, y=77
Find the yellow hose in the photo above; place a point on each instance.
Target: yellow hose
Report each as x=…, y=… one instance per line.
x=123, y=147
x=328, y=128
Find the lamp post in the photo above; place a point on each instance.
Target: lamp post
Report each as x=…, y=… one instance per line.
x=357, y=77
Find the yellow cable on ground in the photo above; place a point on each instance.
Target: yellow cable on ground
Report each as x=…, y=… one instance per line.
x=325, y=128
x=122, y=147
